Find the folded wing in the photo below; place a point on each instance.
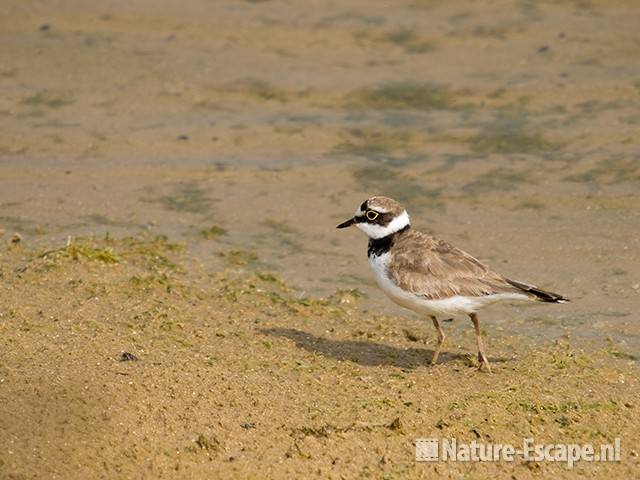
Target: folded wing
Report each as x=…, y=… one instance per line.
x=435, y=269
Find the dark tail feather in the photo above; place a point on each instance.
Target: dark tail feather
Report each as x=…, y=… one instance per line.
x=538, y=293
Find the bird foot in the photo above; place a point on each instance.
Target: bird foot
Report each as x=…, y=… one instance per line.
x=483, y=363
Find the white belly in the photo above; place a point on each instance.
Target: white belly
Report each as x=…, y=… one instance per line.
x=448, y=306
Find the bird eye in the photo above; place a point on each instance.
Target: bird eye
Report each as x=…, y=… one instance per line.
x=371, y=215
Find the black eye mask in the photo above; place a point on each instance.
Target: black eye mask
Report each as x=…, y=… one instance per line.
x=382, y=219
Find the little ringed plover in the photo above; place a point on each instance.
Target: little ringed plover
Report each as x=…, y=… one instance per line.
x=430, y=276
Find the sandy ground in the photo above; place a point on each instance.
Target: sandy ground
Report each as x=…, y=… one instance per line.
x=238, y=378
x=243, y=132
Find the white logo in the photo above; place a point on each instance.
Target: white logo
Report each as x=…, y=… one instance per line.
x=427, y=450
x=449, y=449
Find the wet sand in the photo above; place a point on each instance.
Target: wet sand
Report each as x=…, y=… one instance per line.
x=244, y=132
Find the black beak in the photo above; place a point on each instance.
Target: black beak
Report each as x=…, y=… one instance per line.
x=348, y=223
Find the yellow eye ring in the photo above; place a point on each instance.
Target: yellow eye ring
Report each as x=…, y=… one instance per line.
x=371, y=215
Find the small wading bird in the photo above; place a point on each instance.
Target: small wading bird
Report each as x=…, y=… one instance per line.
x=430, y=276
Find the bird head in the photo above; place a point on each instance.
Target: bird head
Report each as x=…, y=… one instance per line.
x=378, y=217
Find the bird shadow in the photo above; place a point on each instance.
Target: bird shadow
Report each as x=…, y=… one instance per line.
x=366, y=353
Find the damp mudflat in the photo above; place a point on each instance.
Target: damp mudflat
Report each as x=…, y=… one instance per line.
x=234, y=136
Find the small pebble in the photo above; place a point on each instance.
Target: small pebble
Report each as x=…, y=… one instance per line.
x=543, y=49
x=183, y=137
x=45, y=27
x=127, y=357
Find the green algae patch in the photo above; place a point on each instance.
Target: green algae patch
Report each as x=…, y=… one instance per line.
x=371, y=142
x=187, y=197
x=409, y=41
x=610, y=171
x=238, y=257
x=153, y=252
x=499, y=180
x=507, y=143
x=403, y=95
x=48, y=100
x=83, y=250
x=212, y=232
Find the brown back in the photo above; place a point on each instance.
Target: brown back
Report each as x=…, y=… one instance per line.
x=435, y=269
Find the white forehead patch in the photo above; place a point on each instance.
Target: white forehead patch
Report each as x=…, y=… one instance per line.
x=378, y=231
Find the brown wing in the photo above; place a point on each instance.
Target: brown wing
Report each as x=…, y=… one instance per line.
x=435, y=269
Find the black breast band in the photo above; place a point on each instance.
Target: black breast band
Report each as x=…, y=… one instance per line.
x=380, y=246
